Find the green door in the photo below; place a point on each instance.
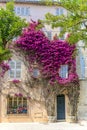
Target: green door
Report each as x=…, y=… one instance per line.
x=60, y=107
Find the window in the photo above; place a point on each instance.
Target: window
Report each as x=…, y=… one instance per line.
x=63, y=37
x=49, y=34
x=36, y=72
x=18, y=10
x=63, y=72
x=59, y=11
x=16, y=105
x=15, y=69
x=22, y=11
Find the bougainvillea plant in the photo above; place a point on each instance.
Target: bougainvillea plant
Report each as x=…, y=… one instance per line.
x=15, y=81
x=49, y=55
x=3, y=68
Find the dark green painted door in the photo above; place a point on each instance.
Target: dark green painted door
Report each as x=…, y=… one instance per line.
x=60, y=107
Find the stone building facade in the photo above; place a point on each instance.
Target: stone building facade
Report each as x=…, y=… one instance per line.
x=23, y=102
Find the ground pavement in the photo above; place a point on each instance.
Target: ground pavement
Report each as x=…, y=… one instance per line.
x=43, y=126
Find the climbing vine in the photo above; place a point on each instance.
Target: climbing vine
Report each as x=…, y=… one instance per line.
x=49, y=55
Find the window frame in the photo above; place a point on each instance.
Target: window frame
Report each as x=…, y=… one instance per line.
x=63, y=71
x=23, y=11
x=15, y=69
x=13, y=110
x=36, y=75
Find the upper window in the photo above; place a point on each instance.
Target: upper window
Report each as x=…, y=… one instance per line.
x=49, y=35
x=59, y=11
x=63, y=73
x=22, y=11
x=36, y=72
x=63, y=37
x=16, y=105
x=15, y=69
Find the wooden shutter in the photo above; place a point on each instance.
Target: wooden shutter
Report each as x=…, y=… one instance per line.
x=80, y=64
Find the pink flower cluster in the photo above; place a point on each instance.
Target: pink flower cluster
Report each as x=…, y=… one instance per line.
x=15, y=81
x=18, y=95
x=3, y=68
x=50, y=55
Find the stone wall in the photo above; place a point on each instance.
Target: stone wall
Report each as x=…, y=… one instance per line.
x=82, y=106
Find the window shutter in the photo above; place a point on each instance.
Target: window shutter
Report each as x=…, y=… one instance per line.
x=63, y=73
x=82, y=66
x=49, y=34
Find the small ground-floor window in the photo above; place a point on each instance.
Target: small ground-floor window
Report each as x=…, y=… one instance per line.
x=16, y=105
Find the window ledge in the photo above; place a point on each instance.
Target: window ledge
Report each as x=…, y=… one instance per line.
x=17, y=115
x=82, y=79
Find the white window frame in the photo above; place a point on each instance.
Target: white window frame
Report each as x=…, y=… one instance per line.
x=23, y=11
x=15, y=69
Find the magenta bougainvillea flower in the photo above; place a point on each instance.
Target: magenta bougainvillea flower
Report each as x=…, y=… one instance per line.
x=18, y=94
x=15, y=81
x=3, y=68
x=49, y=55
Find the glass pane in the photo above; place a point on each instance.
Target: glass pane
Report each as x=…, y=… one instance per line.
x=18, y=65
x=12, y=73
x=35, y=72
x=24, y=105
x=27, y=11
x=20, y=102
x=24, y=102
x=57, y=11
x=18, y=10
x=22, y=10
x=63, y=71
x=49, y=34
x=12, y=65
x=18, y=74
x=10, y=102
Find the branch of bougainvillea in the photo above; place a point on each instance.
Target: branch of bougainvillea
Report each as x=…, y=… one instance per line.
x=50, y=55
x=3, y=68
